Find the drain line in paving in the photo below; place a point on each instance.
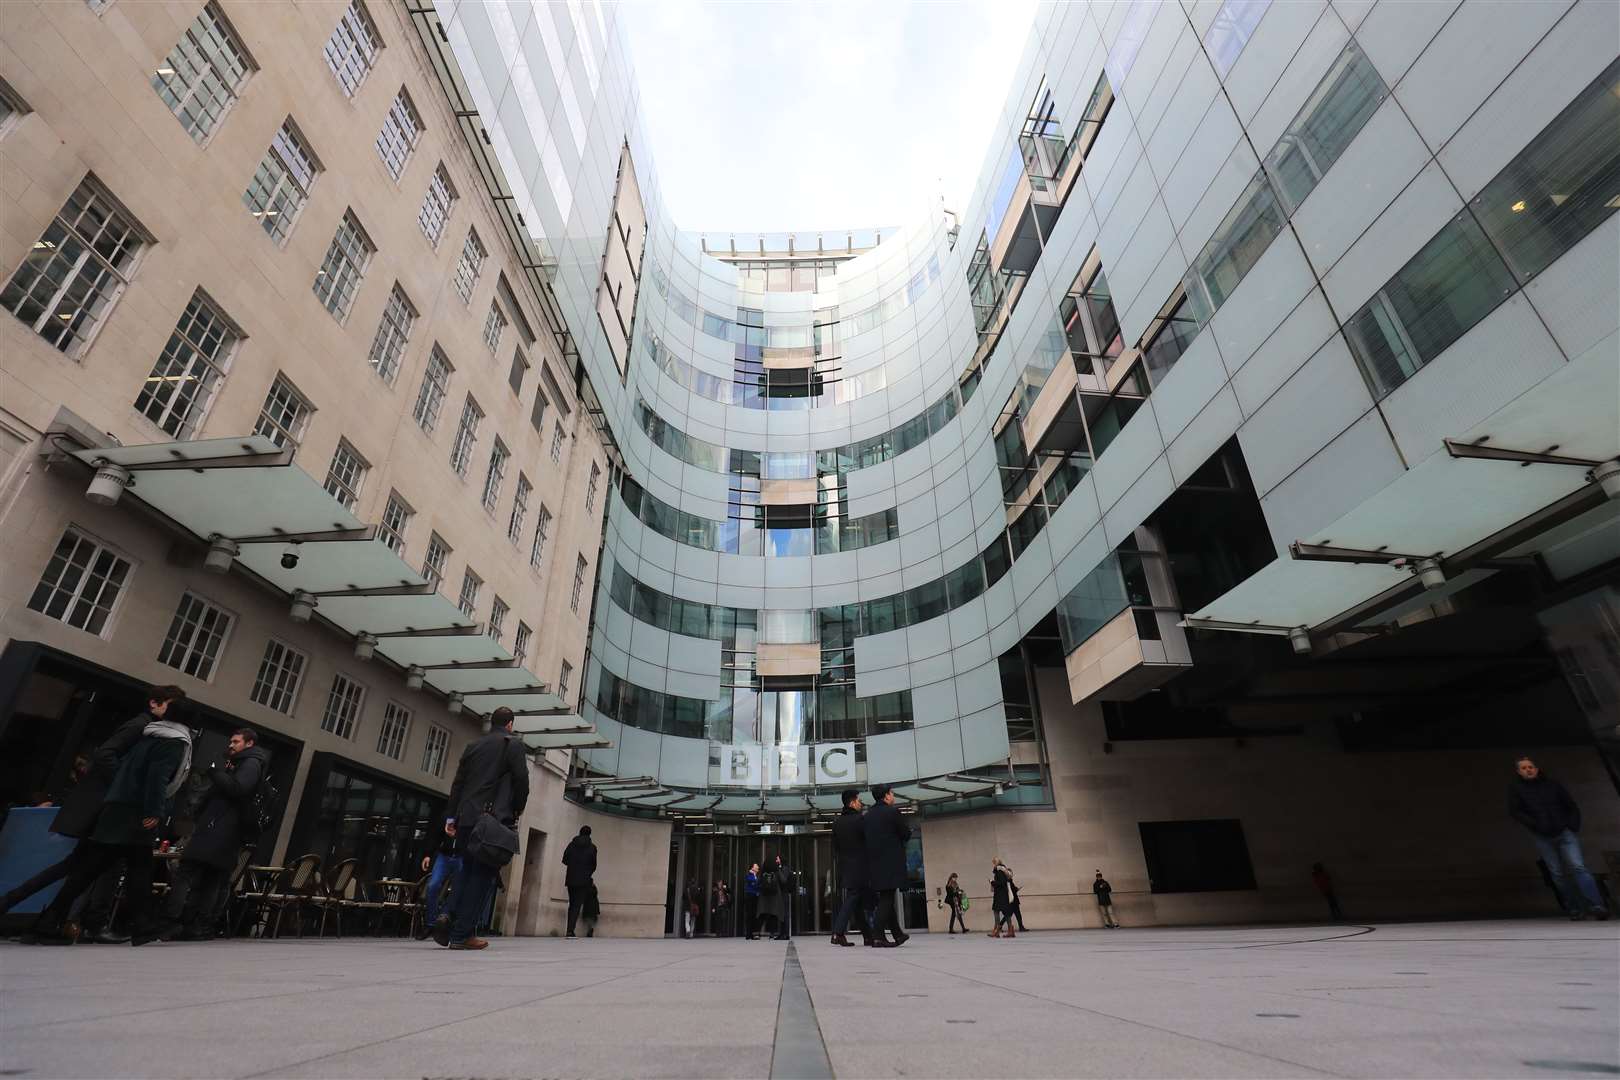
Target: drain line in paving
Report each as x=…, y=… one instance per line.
x=799, y=1053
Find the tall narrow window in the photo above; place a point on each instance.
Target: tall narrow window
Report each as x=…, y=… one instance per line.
x=537, y=414
x=433, y=562
x=285, y=415
x=435, y=384
x=393, y=332
x=564, y=677
x=339, y=277
x=280, y=187
x=343, y=703
x=81, y=583
x=202, y=75
x=542, y=526
x=471, y=583
x=396, y=520
x=436, y=205
x=469, y=266
x=496, y=473
x=557, y=443
x=396, y=728
x=435, y=750
x=520, y=368
x=190, y=369
x=196, y=637
x=520, y=507
x=352, y=49
x=497, y=618
x=494, y=326
x=401, y=129
x=347, y=473
x=579, y=584
x=461, y=451
x=73, y=274
x=280, y=674
x=590, y=488
x=520, y=642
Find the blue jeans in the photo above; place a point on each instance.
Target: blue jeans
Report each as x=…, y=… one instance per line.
x=847, y=910
x=446, y=868
x=1562, y=854
x=474, y=884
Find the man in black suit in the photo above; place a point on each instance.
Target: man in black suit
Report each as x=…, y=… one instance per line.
x=849, y=845
x=886, y=835
x=493, y=775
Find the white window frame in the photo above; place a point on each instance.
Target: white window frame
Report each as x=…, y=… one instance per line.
x=346, y=475
x=563, y=676
x=590, y=488
x=345, y=701
x=191, y=368
x=393, y=334
x=344, y=269
x=494, y=326
x=208, y=67
x=279, y=189
x=495, y=475
x=520, y=642
x=435, y=388
x=471, y=586
x=466, y=440
x=351, y=51
x=69, y=613
x=280, y=677
x=287, y=426
x=394, y=731
x=395, y=523
x=469, y=265
x=436, y=750
x=197, y=635
x=437, y=205
x=402, y=129
x=520, y=510
x=580, y=567
x=557, y=443
x=435, y=559
x=542, y=529
x=498, y=610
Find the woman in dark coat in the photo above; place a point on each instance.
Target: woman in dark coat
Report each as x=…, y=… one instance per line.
x=1001, y=902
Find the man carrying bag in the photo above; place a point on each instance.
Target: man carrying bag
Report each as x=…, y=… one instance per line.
x=486, y=799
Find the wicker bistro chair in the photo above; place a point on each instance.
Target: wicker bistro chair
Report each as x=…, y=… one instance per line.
x=292, y=890
x=357, y=898
x=328, y=896
x=408, y=908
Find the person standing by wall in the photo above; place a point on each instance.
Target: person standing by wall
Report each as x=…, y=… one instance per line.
x=886, y=836
x=1324, y=885
x=1545, y=807
x=849, y=847
x=1001, y=899
x=1104, y=893
x=492, y=777
x=580, y=858
x=751, y=913
x=721, y=902
x=224, y=824
x=955, y=899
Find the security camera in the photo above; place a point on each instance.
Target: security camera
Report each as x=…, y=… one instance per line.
x=289, y=559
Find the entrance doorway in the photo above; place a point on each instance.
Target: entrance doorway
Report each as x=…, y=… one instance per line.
x=531, y=900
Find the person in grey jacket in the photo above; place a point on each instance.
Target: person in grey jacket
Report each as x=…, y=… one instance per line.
x=1544, y=807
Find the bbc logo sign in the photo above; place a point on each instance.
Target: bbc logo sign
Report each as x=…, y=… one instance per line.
x=754, y=765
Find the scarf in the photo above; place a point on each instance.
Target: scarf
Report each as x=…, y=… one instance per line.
x=172, y=729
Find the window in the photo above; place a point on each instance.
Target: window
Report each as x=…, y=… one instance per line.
x=537, y=414
x=338, y=279
x=281, y=185
x=435, y=750
x=494, y=326
x=1196, y=856
x=1230, y=30
x=1172, y=337
x=461, y=450
x=280, y=673
x=520, y=642
x=1448, y=286
x=189, y=370
x=469, y=265
x=202, y=74
x=579, y=584
x=470, y=584
x=497, y=618
x=563, y=679
x=352, y=49
x=590, y=488
x=520, y=508
x=433, y=562
x=12, y=106
x=74, y=273
x=396, y=727
x=435, y=384
x=401, y=128
x=436, y=205
x=542, y=526
x=388, y=347
x=557, y=443
x=1331, y=117
x=1559, y=187
x=1239, y=241
x=343, y=704
x=520, y=368
x=396, y=520
x=347, y=473
x=496, y=473
x=196, y=636
x=285, y=414
x=81, y=583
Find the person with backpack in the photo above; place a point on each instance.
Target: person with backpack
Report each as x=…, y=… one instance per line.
x=487, y=797
x=225, y=822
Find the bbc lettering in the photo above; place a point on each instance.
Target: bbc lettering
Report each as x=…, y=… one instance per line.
x=751, y=765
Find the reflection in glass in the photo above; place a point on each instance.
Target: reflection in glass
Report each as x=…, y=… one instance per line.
x=1331, y=117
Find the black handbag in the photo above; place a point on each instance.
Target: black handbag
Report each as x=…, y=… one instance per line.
x=491, y=842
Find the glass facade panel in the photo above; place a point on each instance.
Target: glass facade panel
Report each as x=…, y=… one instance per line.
x=1334, y=114
x=1239, y=241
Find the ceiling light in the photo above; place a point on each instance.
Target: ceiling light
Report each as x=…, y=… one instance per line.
x=413, y=677
x=303, y=606
x=365, y=645
x=44, y=245
x=1608, y=475
x=1518, y=207
x=108, y=484
x=165, y=71
x=1429, y=573
x=452, y=704
x=1300, y=638
x=221, y=551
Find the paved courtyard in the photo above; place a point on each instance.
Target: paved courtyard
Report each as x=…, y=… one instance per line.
x=1476, y=999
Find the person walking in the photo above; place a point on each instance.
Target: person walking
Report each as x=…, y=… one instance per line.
x=492, y=777
x=442, y=864
x=775, y=888
x=139, y=799
x=1544, y=807
x=580, y=858
x=886, y=835
x=849, y=848
x=76, y=818
x=1015, y=908
x=1001, y=899
x=955, y=899
x=751, y=914
x=224, y=823
x=691, y=908
x=1324, y=885
x=1104, y=893
x=721, y=905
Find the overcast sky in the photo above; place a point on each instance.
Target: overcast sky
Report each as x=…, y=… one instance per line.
x=789, y=114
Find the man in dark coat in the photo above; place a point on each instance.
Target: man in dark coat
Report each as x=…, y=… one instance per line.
x=1544, y=806
x=849, y=847
x=1104, y=892
x=775, y=896
x=77, y=816
x=580, y=858
x=886, y=836
x=223, y=825
x=139, y=799
x=493, y=774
